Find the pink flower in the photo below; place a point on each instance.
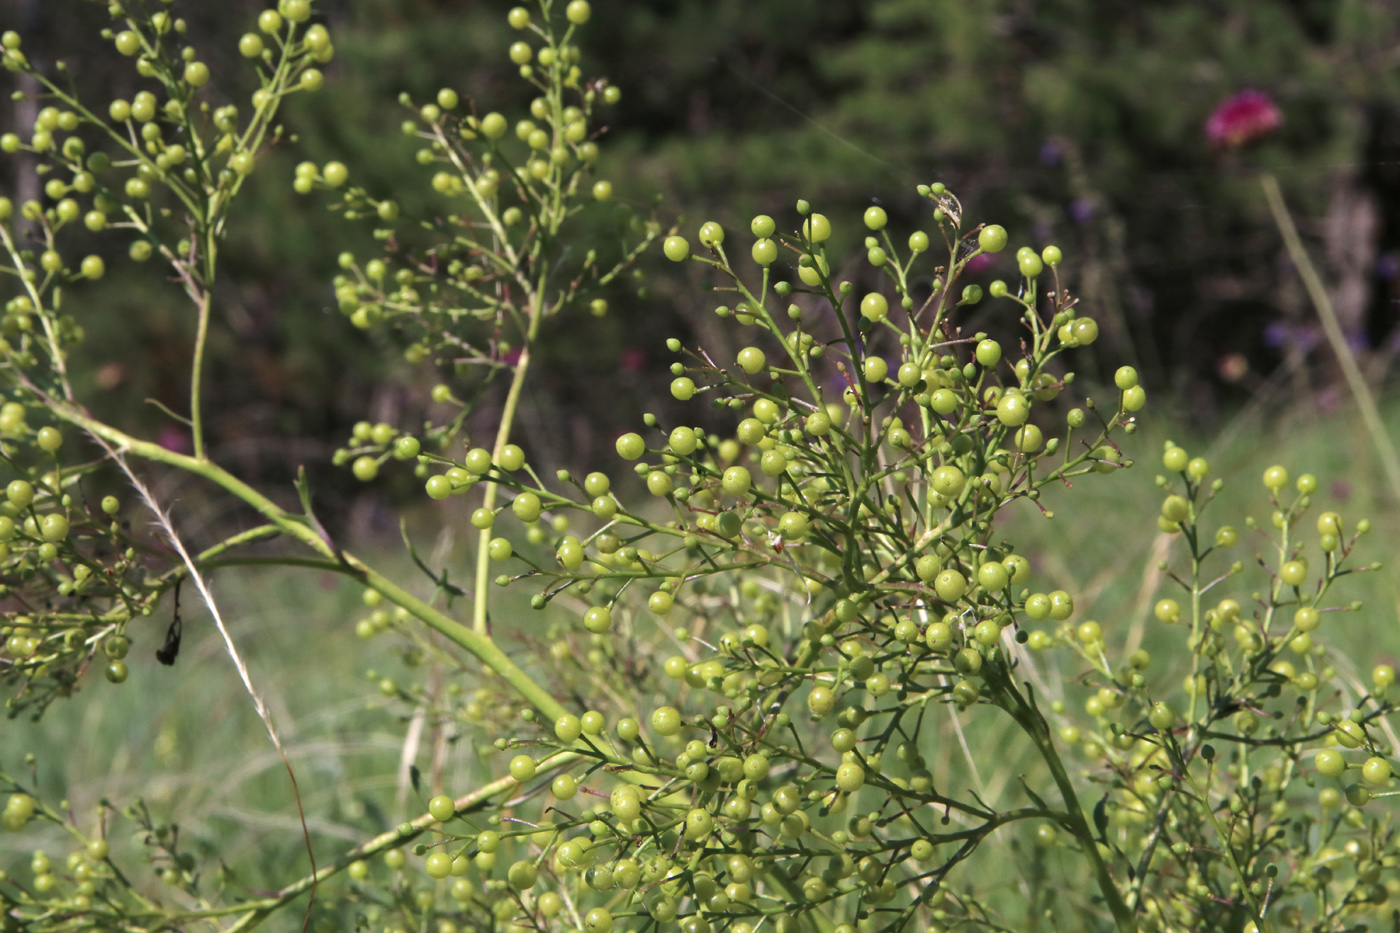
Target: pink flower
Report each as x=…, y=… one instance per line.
x=172, y=438
x=980, y=263
x=1243, y=118
x=632, y=360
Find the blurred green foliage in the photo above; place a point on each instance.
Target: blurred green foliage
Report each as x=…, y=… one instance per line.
x=1081, y=121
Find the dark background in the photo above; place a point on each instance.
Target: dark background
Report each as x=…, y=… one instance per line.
x=1077, y=122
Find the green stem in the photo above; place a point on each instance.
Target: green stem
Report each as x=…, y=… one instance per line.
x=474, y=642
x=483, y=560
x=258, y=911
x=1224, y=839
x=1365, y=401
x=1035, y=726
x=197, y=375
x=1122, y=915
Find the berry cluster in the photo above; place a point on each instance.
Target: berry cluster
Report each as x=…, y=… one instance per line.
x=766, y=665
x=74, y=575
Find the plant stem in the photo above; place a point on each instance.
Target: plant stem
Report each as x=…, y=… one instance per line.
x=258, y=911
x=1122, y=915
x=1223, y=836
x=197, y=376
x=478, y=644
x=488, y=501
x=1034, y=725
x=1365, y=401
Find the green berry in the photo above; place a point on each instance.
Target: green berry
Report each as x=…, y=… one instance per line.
x=1330, y=763
x=948, y=480
x=1013, y=409
x=442, y=808
x=564, y=787
x=992, y=238
x=1376, y=771
x=666, y=720
x=950, y=585
x=494, y=126
x=522, y=768
x=683, y=388
x=365, y=468
x=49, y=440
x=1162, y=717
x=817, y=228
x=659, y=484
x=1030, y=265
x=438, y=865
x=751, y=360
x=1028, y=438
x=988, y=353
x=598, y=620
x=522, y=875
x=874, y=307
x=736, y=481
x=196, y=74
x=578, y=12
x=676, y=248
x=850, y=777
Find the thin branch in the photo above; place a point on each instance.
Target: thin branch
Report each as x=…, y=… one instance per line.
x=162, y=519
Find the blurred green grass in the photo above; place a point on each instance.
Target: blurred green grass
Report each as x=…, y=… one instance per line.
x=187, y=740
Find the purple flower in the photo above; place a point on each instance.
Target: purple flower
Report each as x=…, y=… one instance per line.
x=1243, y=118
x=980, y=263
x=1081, y=211
x=172, y=438
x=1279, y=334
